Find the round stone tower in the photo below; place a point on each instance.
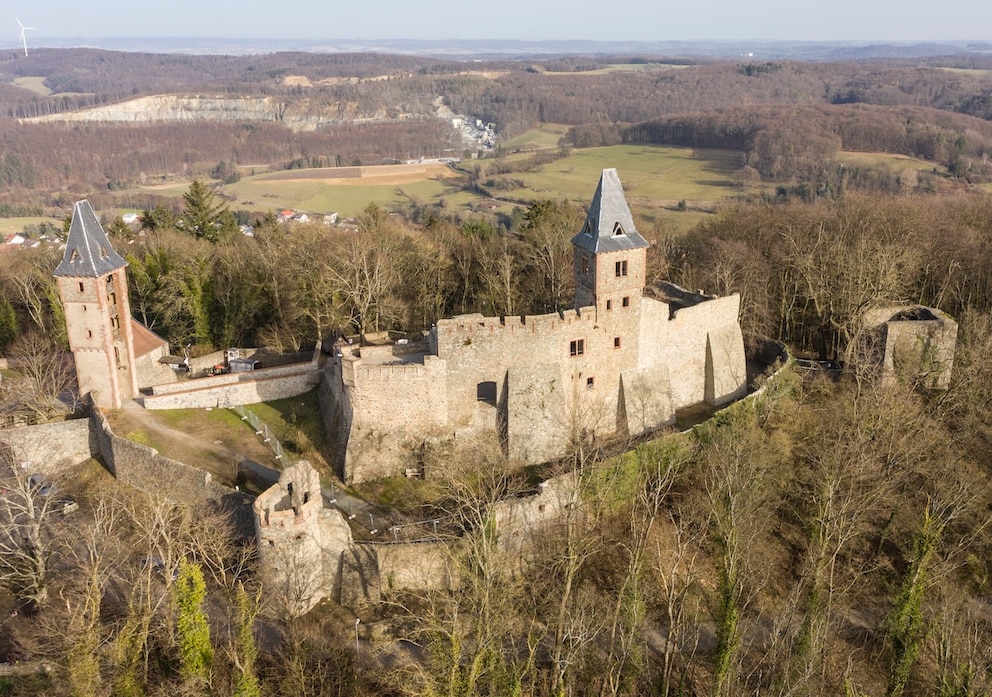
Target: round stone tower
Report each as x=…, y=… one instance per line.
x=288, y=532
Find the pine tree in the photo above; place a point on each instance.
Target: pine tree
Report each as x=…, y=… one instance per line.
x=203, y=217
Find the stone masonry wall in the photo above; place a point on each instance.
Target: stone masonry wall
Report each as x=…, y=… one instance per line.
x=236, y=388
x=48, y=448
x=556, y=377
x=143, y=468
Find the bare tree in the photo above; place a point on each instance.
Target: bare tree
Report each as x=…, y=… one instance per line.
x=44, y=385
x=29, y=532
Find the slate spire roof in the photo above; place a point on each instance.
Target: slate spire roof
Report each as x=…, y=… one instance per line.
x=88, y=253
x=609, y=226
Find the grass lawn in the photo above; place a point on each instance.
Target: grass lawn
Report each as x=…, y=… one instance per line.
x=9, y=226
x=298, y=425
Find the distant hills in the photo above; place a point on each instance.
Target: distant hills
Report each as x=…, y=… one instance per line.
x=505, y=49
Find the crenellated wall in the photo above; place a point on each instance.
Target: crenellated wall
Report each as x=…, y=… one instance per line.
x=540, y=382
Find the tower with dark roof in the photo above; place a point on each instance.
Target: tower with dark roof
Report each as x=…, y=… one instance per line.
x=92, y=285
x=610, y=255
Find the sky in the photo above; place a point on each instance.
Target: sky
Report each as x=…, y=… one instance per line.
x=535, y=20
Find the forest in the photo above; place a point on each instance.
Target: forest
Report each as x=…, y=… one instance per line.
x=830, y=536
x=936, y=109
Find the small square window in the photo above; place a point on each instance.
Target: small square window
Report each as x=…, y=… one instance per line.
x=626, y=301
x=590, y=383
x=609, y=304
x=576, y=347
x=616, y=342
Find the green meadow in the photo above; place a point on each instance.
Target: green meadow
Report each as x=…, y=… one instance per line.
x=8, y=226
x=547, y=135
x=258, y=193
x=657, y=180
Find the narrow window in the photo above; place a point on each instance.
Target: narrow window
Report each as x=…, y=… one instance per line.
x=609, y=304
x=590, y=382
x=616, y=342
x=80, y=286
x=89, y=333
x=84, y=308
x=626, y=301
x=576, y=347
x=585, y=265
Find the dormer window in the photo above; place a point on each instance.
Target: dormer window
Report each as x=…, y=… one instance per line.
x=618, y=230
x=588, y=228
x=103, y=253
x=75, y=256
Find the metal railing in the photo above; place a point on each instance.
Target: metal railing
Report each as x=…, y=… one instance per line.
x=262, y=430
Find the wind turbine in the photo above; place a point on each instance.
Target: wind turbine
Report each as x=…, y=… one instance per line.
x=24, y=40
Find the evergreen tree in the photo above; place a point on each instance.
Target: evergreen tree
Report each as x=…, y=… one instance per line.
x=195, y=650
x=245, y=680
x=203, y=217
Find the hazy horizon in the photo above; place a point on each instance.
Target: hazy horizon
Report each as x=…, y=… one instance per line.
x=513, y=20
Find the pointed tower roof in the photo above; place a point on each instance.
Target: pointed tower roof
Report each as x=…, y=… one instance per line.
x=609, y=226
x=88, y=252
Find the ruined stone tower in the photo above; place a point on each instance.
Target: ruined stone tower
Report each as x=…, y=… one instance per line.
x=93, y=288
x=287, y=517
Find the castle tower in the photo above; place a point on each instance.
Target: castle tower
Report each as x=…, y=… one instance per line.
x=93, y=289
x=287, y=528
x=610, y=255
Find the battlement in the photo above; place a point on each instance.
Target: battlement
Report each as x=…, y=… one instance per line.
x=293, y=502
x=466, y=328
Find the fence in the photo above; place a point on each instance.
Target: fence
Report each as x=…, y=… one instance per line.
x=262, y=430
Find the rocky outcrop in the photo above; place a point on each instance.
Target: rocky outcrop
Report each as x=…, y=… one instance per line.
x=298, y=114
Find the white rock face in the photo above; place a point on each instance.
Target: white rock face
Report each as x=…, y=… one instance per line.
x=302, y=114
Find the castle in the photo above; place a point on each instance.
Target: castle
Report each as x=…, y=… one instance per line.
x=620, y=364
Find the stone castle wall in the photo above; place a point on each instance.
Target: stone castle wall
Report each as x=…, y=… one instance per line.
x=49, y=448
x=143, y=468
x=530, y=380
x=229, y=390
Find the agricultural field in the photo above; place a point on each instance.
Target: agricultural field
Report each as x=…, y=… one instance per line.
x=314, y=191
x=8, y=226
x=624, y=68
x=35, y=83
x=893, y=162
x=657, y=180
x=547, y=135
